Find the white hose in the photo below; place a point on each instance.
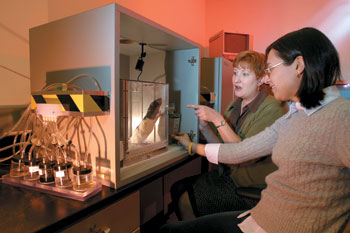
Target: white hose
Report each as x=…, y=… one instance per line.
x=97, y=84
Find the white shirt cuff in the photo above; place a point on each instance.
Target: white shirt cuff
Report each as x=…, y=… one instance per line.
x=212, y=151
x=249, y=225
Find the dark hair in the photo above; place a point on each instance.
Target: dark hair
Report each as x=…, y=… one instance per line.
x=256, y=62
x=322, y=68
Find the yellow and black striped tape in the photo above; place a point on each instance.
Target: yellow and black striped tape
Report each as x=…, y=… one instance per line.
x=84, y=103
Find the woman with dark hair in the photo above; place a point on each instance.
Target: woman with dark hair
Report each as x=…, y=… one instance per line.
x=310, y=191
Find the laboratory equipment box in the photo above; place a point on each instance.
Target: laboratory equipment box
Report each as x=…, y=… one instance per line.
x=141, y=65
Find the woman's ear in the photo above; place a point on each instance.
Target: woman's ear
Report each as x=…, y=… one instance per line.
x=299, y=68
x=263, y=80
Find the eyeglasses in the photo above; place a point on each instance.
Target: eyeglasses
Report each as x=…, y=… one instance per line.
x=268, y=70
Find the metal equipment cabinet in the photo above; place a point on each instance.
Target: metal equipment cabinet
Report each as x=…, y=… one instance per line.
x=122, y=216
x=90, y=42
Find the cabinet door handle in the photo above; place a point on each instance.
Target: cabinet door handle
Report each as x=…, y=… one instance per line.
x=92, y=228
x=95, y=229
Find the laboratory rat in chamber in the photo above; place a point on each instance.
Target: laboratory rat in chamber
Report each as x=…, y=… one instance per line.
x=147, y=124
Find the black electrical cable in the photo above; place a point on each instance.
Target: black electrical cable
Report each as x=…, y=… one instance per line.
x=138, y=77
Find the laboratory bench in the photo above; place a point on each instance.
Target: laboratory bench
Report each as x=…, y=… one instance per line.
x=128, y=209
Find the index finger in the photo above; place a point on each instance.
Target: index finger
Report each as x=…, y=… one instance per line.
x=195, y=106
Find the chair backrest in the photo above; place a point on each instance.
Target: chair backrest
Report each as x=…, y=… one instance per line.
x=250, y=192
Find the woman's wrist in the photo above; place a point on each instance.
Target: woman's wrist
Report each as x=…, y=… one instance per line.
x=218, y=121
x=192, y=148
x=200, y=149
x=222, y=123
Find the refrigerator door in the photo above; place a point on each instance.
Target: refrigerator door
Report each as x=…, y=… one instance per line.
x=216, y=78
x=225, y=86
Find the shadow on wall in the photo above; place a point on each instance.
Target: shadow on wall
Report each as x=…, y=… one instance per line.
x=9, y=117
x=12, y=32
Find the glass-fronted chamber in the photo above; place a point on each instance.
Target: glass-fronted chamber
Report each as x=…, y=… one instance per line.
x=144, y=121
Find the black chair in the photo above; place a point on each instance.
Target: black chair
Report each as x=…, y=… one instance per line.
x=249, y=192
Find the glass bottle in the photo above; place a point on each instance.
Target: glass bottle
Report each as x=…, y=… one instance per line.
x=31, y=169
x=62, y=178
x=17, y=166
x=83, y=178
x=46, y=172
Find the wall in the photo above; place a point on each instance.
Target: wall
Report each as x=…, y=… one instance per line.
x=267, y=20
x=182, y=16
x=16, y=18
